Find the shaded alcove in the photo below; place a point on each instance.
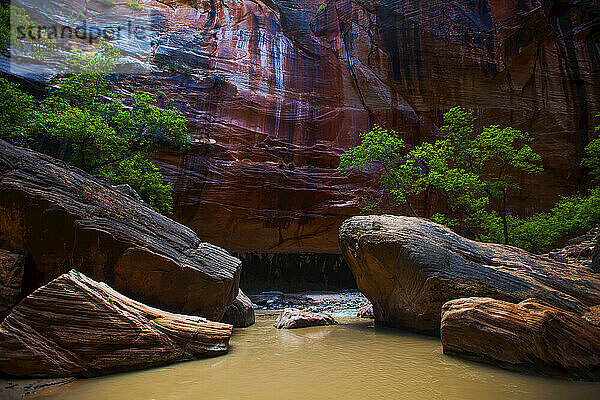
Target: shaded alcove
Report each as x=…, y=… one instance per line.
x=294, y=272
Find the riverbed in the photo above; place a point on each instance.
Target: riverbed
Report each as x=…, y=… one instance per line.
x=352, y=360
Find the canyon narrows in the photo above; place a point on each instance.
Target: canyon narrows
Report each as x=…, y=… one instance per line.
x=300, y=198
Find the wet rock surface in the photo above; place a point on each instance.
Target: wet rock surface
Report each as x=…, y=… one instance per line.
x=409, y=267
x=283, y=87
x=18, y=389
x=596, y=257
x=295, y=272
x=292, y=318
x=579, y=250
x=529, y=336
x=75, y=326
x=63, y=218
x=240, y=313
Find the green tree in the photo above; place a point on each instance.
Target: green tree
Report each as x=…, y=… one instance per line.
x=12, y=17
x=467, y=168
x=592, y=156
x=571, y=216
x=107, y=134
x=16, y=112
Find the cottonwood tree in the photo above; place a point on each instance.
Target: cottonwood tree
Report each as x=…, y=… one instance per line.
x=471, y=169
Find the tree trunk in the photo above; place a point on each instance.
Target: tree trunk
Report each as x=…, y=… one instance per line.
x=412, y=210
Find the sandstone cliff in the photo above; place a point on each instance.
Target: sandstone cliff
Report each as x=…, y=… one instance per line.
x=296, y=81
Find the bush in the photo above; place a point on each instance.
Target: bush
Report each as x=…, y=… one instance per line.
x=571, y=216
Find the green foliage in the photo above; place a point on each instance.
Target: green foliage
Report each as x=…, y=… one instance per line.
x=592, y=156
x=16, y=110
x=4, y=28
x=141, y=174
x=107, y=134
x=134, y=4
x=322, y=6
x=12, y=17
x=571, y=216
x=467, y=168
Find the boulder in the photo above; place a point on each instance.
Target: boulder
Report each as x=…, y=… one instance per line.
x=409, y=267
x=366, y=312
x=578, y=250
x=292, y=318
x=75, y=326
x=62, y=218
x=530, y=336
x=240, y=313
x=11, y=279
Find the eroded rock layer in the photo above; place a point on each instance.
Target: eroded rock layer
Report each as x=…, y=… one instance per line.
x=531, y=335
x=59, y=218
x=409, y=267
x=292, y=318
x=75, y=326
x=596, y=257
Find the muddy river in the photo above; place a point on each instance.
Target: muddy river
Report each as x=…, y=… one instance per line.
x=348, y=361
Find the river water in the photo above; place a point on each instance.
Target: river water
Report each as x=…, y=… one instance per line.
x=348, y=361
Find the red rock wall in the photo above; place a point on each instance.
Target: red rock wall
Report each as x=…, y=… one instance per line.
x=297, y=80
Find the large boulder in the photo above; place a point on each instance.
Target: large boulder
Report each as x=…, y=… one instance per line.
x=11, y=279
x=77, y=326
x=409, y=267
x=240, y=313
x=292, y=318
x=531, y=336
x=60, y=218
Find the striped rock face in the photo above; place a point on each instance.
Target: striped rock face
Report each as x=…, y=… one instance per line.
x=530, y=336
x=289, y=85
x=75, y=326
x=11, y=279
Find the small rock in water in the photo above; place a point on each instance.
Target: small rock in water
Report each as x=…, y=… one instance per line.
x=240, y=313
x=366, y=312
x=292, y=318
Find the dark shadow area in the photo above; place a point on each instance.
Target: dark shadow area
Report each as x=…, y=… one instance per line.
x=294, y=272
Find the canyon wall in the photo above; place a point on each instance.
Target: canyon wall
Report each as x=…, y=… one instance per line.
x=276, y=90
x=290, y=84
